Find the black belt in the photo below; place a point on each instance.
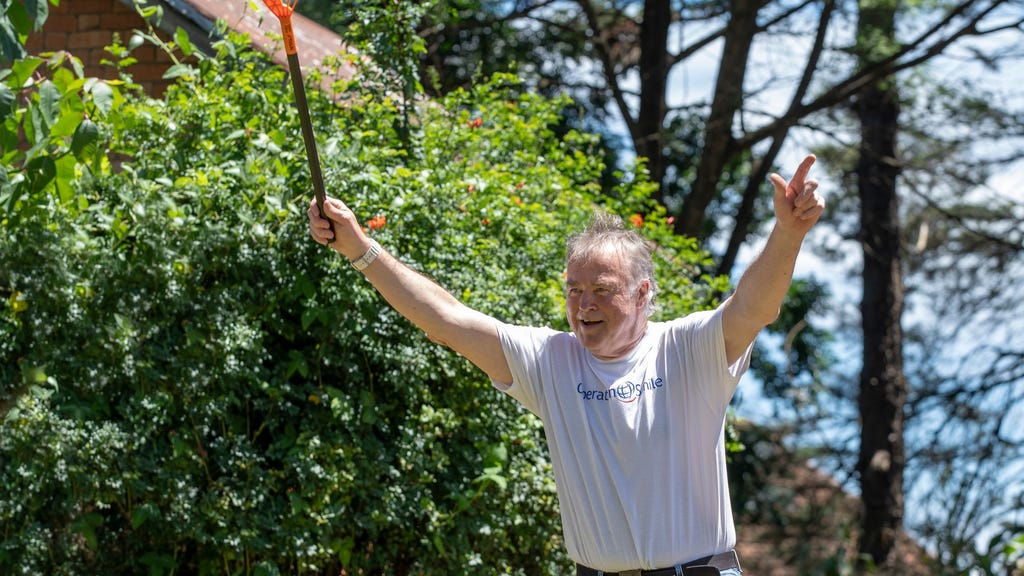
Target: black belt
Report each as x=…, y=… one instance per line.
x=708, y=566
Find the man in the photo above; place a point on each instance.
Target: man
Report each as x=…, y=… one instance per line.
x=633, y=410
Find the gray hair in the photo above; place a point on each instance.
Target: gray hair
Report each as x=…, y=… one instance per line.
x=608, y=231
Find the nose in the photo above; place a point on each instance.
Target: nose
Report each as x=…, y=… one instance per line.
x=586, y=301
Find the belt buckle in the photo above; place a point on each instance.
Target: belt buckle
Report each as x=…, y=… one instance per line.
x=631, y=573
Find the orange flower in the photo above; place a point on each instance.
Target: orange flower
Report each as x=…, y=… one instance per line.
x=670, y=220
x=377, y=222
x=476, y=122
x=637, y=220
x=485, y=221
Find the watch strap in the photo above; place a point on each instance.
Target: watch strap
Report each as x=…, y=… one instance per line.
x=366, y=259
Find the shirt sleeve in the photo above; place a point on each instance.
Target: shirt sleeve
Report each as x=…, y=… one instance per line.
x=524, y=348
x=700, y=339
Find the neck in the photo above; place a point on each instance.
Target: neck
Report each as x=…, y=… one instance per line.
x=621, y=352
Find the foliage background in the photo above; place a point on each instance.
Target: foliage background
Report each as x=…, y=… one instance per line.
x=190, y=385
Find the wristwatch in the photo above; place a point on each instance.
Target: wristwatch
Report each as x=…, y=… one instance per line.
x=366, y=259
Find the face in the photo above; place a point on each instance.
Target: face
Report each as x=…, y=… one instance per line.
x=604, y=308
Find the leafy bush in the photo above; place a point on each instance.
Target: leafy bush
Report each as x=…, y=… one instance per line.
x=191, y=385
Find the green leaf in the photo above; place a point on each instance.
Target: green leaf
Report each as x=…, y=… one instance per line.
x=11, y=49
x=144, y=513
x=49, y=102
x=32, y=124
x=38, y=11
x=180, y=447
x=68, y=82
x=135, y=41
x=305, y=285
x=153, y=13
x=102, y=96
x=67, y=123
x=177, y=71
x=12, y=415
x=159, y=564
x=297, y=363
x=343, y=548
x=33, y=374
x=86, y=525
x=492, y=474
x=309, y=315
x=11, y=192
x=182, y=39
x=439, y=544
x=8, y=102
x=367, y=404
x=84, y=143
x=20, y=19
x=298, y=505
x=21, y=72
x=497, y=456
x=40, y=172
x=63, y=179
x=41, y=392
x=266, y=568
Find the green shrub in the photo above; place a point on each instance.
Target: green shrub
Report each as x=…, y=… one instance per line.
x=191, y=385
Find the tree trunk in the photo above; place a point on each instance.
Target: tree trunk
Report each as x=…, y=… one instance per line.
x=728, y=100
x=883, y=387
x=654, y=69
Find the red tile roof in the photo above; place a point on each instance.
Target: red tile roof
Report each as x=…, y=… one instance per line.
x=315, y=42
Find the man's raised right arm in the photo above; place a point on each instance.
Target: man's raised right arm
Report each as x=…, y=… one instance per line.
x=422, y=301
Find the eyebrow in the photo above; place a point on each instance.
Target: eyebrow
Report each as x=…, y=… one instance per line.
x=599, y=283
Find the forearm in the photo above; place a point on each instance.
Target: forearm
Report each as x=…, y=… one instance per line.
x=759, y=294
x=441, y=316
x=764, y=284
x=418, y=298
x=415, y=296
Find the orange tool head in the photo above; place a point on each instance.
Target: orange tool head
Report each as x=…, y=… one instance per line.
x=281, y=8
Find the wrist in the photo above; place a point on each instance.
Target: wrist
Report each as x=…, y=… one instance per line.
x=787, y=235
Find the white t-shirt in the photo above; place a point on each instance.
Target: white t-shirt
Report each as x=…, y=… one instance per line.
x=637, y=444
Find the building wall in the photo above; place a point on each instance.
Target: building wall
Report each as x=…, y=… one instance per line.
x=85, y=27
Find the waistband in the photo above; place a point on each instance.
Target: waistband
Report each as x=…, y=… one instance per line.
x=707, y=566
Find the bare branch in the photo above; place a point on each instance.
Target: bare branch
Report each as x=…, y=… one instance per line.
x=882, y=69
x=608, y=67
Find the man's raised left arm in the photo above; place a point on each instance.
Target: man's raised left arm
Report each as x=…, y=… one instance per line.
x=758, y=296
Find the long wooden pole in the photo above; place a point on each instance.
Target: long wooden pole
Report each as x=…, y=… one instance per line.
x=283, y=10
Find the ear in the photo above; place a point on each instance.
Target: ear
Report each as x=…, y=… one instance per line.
x=642, y=291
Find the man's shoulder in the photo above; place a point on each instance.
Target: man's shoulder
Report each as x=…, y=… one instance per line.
x=695, y=318
x=684, y=328
x=539, y=335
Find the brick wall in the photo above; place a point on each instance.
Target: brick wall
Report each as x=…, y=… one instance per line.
x=85, y=27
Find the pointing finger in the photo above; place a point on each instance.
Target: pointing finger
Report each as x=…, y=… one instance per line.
x=796, y=184
x=804, y=168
